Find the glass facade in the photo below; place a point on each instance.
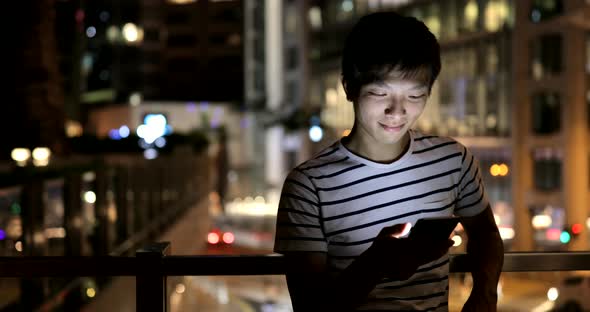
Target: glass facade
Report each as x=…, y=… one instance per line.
x=472, y=93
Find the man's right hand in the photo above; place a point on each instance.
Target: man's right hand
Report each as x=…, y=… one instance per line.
x=399, y=257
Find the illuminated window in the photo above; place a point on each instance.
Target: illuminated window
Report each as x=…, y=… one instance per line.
x=496, y=15
x=470, y=15
x=315, y=17
x=433, y=19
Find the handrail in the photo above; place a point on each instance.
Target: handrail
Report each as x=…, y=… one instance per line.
x=265, y=264
x=152, y=264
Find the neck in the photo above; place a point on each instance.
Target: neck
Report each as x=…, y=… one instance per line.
x=381, y=153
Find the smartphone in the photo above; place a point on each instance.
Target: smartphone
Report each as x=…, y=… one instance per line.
x=435, y=227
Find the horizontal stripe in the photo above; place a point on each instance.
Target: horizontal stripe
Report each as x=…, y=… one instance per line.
x=434, y=147
x=301, y=238
x=472, y=204
x=325, y=164
x=302, y=185
x=438, y=294
x=327, y=153
x=464, y=155
x=337, y=172
x=470, y=181
x=475, y=190
x=426, y=137
x=466, y=171
x=305, y=213
x=432, y=267
x=352, y=213
x=415, y=283
x=442, y=304
x=404, y=215
x=389, y=173
x=290, y=224
x=299, y=198
x=393, y=187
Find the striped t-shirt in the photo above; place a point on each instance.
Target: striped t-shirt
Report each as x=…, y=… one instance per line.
x=337, y=202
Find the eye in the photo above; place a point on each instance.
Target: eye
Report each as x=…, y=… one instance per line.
x=417, y=97
x=377, y=93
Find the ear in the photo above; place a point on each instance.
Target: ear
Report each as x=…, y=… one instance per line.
x=346, y=91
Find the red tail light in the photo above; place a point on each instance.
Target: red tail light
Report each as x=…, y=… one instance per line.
x=213, y=238
x=228, y=237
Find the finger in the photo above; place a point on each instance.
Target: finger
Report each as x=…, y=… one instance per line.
x=400, y=230
x=392, y=230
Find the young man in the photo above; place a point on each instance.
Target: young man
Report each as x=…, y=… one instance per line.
x=342, y=213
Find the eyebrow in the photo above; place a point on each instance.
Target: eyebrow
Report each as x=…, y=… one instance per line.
x=381, y=83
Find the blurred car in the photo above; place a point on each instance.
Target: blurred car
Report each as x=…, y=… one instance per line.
x=219, y=237
x=253, y=232
x=571, y=295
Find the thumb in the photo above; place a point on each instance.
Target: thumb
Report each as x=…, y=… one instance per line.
x=396, y=230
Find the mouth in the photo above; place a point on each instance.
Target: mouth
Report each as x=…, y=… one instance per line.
x=392, y=128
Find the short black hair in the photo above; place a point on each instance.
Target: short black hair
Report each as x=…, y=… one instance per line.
x=383, y=41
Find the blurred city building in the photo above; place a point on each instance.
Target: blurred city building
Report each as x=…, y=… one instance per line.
x=123, y=53
x=513, y=87
x=276, y=83
x=33, y=110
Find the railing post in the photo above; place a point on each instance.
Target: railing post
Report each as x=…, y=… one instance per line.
x=151, y=293
x=34, y=243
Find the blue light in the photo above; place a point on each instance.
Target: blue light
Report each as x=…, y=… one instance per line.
x=191, y=107
x=155, y=118
x=2, y=234
x=535, y=16
x=150, y=153
x=160, y=142
x=124, y=131
x=168, y=130
x=316, y=133
x=114, y=134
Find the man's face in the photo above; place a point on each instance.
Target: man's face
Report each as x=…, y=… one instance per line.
x=386, y=110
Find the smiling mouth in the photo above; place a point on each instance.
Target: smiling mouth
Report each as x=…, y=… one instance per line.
x=396, y=128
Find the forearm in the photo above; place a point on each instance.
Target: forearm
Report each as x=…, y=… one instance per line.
x=348, y=289
x=486, y=252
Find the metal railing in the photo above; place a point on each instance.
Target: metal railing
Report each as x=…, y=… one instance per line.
x=153, y=264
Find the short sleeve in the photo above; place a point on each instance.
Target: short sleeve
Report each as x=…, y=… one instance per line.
x=298, y=219
x=471, y=197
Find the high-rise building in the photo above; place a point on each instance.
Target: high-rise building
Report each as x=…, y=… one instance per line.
x=33, y=111
x=158, y=50
x=276, y=71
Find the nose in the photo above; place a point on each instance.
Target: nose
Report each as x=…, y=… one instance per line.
x=395, y=107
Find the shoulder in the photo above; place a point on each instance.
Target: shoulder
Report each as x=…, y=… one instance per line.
x=327, y=158
x=427, y=142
